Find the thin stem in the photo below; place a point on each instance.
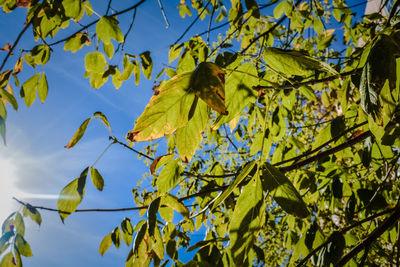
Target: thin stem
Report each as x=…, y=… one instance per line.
x=127, y=32
x=102, y=153
x=130, y=148
x=163, y=13
x=209, y=25
x=326, y=153
x=95, y=21
x=15, y=44
x=335, y=138
x=191, y=24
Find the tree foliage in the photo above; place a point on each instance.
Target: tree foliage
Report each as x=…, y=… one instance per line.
x=281, y=136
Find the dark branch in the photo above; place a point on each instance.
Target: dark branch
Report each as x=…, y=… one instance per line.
x=15, y=44
x=191, y=24
x=326, y=153
x=335, y=138
x=94, y=22
x=130, y=148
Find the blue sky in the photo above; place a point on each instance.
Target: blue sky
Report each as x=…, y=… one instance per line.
x=35, y=160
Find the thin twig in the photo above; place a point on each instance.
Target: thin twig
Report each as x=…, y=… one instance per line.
x=95, y=21
x=15, y=44
x=344, y=230
x=163, y=13
x=392, y=13
x=310, y=82
x=108, y=7
x=279, y=22
x=392, y=219
x=127, y=33
x=209, y=25
x=326, y=153
x=130, y=148
x=335, y=138
x=191, y=24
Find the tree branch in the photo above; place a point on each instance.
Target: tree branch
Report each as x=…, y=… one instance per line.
x=307, y=153
x=191, y=24
x=279, y=22
x=310, y=82
x=344, y=230
x=390, y=221
x=15, y=44
x=326, y=153
x=95, y=21
x=130, y=148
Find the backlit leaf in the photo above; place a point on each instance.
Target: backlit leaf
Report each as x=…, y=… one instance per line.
x=189, y=137
x=208, y=83
x=173, y=202
x=291, y=62
x=168, y=176
x=97, y=179
x=107, y=28
x=72, y=195
x=29, y=89
x=283, y=191
x=147, y=64
x=33, y=213
x=105, y=244
x=78, y=134
x=95, y=62
x=43, y=88
x=116, y=237
x=102, y=117
x=127, y=231
x=72, y=8
x=247, y=219
x=159, y=162
x=243, y=174
x=167, y=110
x=23, y=247
x=152, y=215
x=239, y=92
x=76, y=42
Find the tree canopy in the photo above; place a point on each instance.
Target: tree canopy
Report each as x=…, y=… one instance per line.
x=279, y=138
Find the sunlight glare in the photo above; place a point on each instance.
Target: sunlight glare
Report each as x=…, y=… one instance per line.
x=7, y=187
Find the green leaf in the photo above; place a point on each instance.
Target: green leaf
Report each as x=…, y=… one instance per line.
x=173, y=202
x=19, y=224
x=76, y=42
x=160, y=161
x=43, y=88
x=152, y=215
x=41, y=54
x=186, y=63
x=33, y=213
x=107, y=28
x=247, y=219
x=139, y=237
x=239, y=92
x=95, y=62
x=23, y=247
x=283, y=191
x=97, y=179
x=167, y=110
x=243, y=174
x=105, y=244
x=136, y=71
x=168, y=177
x=108, y=49
x=71, y=195
x=158, y=245
x=208, y=83
x=9, y=97
x=116, y=237
x=333, y=251
x=147, y=64
x=308, y=92
x=189, y=137
x=127, y=231
x=291, y=62
x=72, y=8
x=7, y=260
x=3, y=110
x=103, y=118
x=29, y=89
x=280, y=9
x=78, y=134
x=174, y=52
